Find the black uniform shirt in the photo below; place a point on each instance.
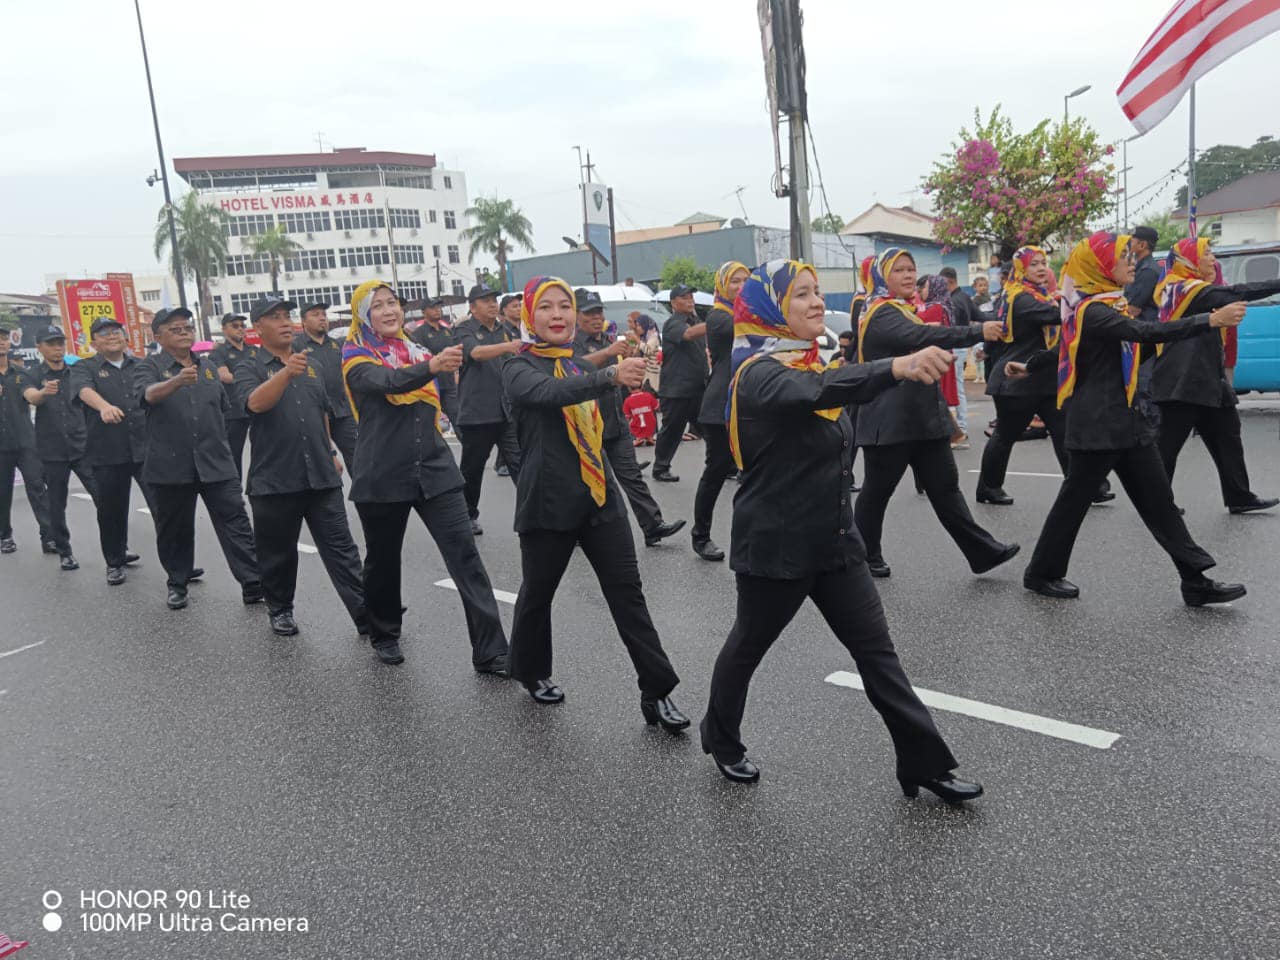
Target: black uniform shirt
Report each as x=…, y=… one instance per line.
x=15, y=413
x=720, y=346
x=684, y=362
x=1193, y=371
x=60, y=429
x=550, y=494
x=1030, y=318
x=186, y=432
x=326, y=357
x=791, y=515
x=610, y=405
x=400, y=455
x=230, y=356
x=434, y=339
x=963, y=312
x=480, y=381
x=915, y=411
x=111, y=443
x=1141, y=293
x=289, y=448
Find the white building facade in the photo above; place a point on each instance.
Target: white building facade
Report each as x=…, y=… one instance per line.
x=356, y=214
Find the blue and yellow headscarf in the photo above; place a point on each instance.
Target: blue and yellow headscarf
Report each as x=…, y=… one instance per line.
x=760, y=330
x=879, y=296
x=723, y=276
x=365, y=346
x=1089, y=277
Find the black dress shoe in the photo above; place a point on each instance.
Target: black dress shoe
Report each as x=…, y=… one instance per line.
x=389, y=653
x=665, y=476
x=177, y=598
x=1103, y=496
x=115, y=576
x=994, y=496
x=283, y=624
x=947, y=787
x=1256, y=504
x=1211, y=591
x=879, y=569
x=251, y=593
x=664, y=711
x=744, y=771
x=1005, y=555
x=7, y=545
x=131, y=558
x=708, y=550
x=476, y=529
x=1057, y=589
x=644, y=465
x=544, y=691
x=502, y=470
x=497, y=666
x=197, y=573
x=662, y=531
x=48, y=546
x=69, y=563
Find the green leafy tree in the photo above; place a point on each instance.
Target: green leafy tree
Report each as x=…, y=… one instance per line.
x=202, y=244
x=1011, y=188
x=277, y=246
x=686, y=270
x=1224, y=163
x=491, y=279
x=1170, y=229
x=494, y=223
x=828, y=223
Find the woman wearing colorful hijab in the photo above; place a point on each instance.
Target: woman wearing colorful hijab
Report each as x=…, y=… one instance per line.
x=859, y=302
x=1105, y=431
x=719, y=465
x=937, y=308
x=793, y=532
x=567, y=497
x=402, y=464
x=1190, y=380
x=649, y=345
x=911, y=426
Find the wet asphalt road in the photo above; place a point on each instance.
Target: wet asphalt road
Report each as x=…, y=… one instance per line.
x=424, y=811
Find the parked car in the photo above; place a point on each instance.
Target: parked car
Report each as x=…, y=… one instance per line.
x=620, y=301
x=1258, y=359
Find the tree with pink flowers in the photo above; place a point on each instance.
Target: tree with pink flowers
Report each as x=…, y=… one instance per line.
x=1011, y=189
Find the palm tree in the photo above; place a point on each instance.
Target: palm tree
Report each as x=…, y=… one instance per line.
x=494, y=222
x=276, y=246
x=202, y=243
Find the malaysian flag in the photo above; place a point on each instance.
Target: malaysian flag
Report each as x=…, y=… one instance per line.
x=8, y=947
x=1193, y=38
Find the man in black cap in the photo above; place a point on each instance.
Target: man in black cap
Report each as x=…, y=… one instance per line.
x=684, y=378
x=483, y=419
x=226, y=357
x=293, y=466
x=509, y=311
x=18, y=451
x=593, y=346
x=434, y=336
x=1143, y=306
x=60, y=436
x=325, y=355
x=116, y=440
x=187, y=455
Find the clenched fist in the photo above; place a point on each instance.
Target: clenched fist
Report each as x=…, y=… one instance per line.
x=631, y=371
x=924, y=366
x=447, y=360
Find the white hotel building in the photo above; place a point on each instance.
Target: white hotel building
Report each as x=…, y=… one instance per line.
x=356, y=214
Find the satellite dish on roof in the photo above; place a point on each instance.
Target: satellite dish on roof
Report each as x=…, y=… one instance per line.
x=737, y=222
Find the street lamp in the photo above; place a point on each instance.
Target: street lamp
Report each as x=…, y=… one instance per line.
x=1074, y=93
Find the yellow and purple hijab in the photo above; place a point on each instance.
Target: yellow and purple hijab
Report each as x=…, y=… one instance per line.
x=879, y=293
x=723, y=276
x=365, y=346
x=582, y=420
x=1089, y=277
x=1017, y=284
x=760, y=330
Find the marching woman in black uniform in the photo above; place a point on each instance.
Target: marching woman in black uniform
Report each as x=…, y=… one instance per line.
x=911, y=426
x=402, y=464
x=793, y=532
x=1190, y=379
x=566, y=497
x=1097, y=381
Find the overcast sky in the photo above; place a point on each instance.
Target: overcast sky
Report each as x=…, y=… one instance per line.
x=672, y=105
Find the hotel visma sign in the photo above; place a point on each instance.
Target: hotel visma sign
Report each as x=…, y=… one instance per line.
x=295, y=201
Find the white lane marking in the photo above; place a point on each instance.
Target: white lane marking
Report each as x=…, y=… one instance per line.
x=498, y=594
x=1088, y=736
x=3, y=692
x=144, y=510
x=1014, y=473
x=10, y=653
x=306, y=548
x=82, y=496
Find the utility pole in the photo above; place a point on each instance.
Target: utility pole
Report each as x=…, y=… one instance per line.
x=583, y=170
x=613, y=239
x=784, y=21
x=1192, y=229
x=439, y=282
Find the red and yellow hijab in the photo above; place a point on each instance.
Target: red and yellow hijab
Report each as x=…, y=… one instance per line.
x=1089, y=277
x=864, y=284
x=1017, y=284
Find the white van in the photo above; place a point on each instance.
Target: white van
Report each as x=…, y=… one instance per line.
x=620, y=301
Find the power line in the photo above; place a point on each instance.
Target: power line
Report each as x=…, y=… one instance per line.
x=822, y=189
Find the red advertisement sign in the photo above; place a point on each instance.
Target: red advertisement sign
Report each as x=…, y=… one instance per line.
x=83, y=302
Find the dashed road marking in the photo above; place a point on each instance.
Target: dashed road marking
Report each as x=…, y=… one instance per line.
x=306, y=548
x=10, y=653
x=498, y=594
x=1014, y=473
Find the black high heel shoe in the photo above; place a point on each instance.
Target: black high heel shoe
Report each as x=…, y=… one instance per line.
x=664, y=711
x=946, y=787
x=544, y=691
x=744, y=771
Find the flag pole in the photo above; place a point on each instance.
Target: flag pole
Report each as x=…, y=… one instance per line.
x=1191, y=169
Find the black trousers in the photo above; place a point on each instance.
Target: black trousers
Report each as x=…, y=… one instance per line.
x=935, y=468
x=544, y=556
x=851, y=606
x=176, y=529
x=447, y=521
x=1146, y=483
x=717, y=468
x=28, y=464
x=237, y=431
x=621, y=454
x=478, y=441
x=1220, y=430
x=677, y=413
x=277, y=521
x=345, y=434
x=113, y=482
x=57, y=479
x=1013, y=416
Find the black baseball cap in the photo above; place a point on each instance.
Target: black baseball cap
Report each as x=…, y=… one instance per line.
x=431, y=303
x=266, y=304
x=1147, y=234
x=589, y=301
x=481, y=291
x=682, y=290
x=313, y=305
x=106, y=323
x=50, y=333
x=508, y=299
x=231, y=318
x=165, y=314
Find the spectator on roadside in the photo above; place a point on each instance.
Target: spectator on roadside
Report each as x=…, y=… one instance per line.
x=963, y=312
x=641, y=409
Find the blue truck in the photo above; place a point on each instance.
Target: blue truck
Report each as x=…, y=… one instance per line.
x=1258, y=360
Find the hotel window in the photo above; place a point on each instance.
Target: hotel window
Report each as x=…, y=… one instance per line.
x=458, y=289
x=306, y=222
x=406, y=218
x=304, y=295
x=150, y=296
x=409, y=253
x=247, y=264
x=359, y=219
x=431, y=216
x=250, y=226
x=453, y=254
x=363, y=256
x=310, y=260
x=448, y=182
x=450, y=221
x=413, y=289
x=413, y=181
x=435, y=251
x=243, y=302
